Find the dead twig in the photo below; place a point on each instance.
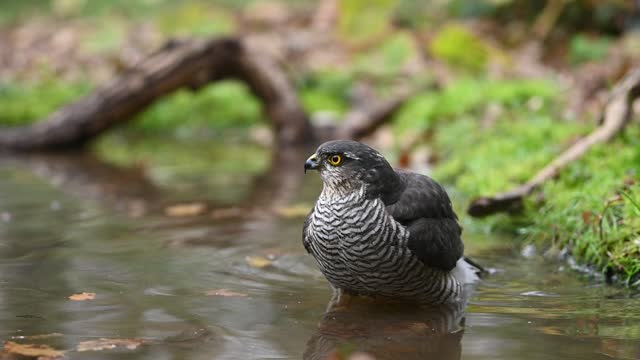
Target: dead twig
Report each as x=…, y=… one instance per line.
x=615, y=117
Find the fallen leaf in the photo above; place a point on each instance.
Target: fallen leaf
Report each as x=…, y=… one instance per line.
x=83, y=296
x=109, y=344
x=32, y=350
x=224, y=292
x=182, y=210
x=258, y=261
x=292, y=211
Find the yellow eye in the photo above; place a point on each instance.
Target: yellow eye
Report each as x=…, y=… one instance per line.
x=335, y=160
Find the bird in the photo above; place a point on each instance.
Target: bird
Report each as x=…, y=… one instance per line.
x=389, y=331
x=380, y=232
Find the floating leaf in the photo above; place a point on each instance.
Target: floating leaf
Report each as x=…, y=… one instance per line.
x=182, y=210
x=32, y=350
x=258, y=261
x=83, y=296
x=109, y=344
x=224, y=292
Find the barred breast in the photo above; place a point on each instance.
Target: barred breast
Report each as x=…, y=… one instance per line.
x=361, y=249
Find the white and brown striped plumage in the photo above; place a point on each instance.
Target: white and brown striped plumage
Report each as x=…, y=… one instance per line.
x=376, y=231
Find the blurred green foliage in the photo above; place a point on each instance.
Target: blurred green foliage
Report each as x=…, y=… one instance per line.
x=217, y=106
x=195, y=19
x=466, y=95
x=326, y=90
x=457, y=46
x=131, y=9
x=386, y=60
x=584, y=48
x=362, y=20
x=106, y=38
x=24, y=102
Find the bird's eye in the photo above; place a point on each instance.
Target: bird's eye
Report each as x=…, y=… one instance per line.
x=335, y=160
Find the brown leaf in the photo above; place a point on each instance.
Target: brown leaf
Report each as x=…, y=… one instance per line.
x=587, y=217
x=182, y=210
x=258, y=261
x=83, y=296
x=109, y=344
x=225, y=293
x=32, y=350
x=404, y=160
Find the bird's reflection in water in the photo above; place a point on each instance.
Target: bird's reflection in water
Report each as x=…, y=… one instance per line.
x=388, y=331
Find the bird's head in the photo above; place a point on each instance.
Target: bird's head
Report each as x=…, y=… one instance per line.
x=346, y=165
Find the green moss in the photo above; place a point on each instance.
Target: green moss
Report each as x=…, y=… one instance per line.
x=25, y=102
x=389, y=58
x=105, y=38
x=584, y=48
x=326, y=91
x=361, y=20
x=467, y=95
x=510, y=149
x=459, y=47
x=592, y=207
x=221, y=105
x=195, y=19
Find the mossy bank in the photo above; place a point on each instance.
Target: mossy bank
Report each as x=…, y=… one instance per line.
x=592, y=209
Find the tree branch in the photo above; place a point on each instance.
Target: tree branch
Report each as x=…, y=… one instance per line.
x=615, y=117
x=192, y=64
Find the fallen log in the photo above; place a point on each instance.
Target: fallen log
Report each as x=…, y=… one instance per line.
x=180, y=64
x=615, y=117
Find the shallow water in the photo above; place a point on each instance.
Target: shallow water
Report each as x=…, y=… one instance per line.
x=229, y=278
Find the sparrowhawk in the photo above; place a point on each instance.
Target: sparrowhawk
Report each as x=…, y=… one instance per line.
x=383, y=232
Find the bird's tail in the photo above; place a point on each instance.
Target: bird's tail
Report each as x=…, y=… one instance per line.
x=481, y=271
x=468, y=271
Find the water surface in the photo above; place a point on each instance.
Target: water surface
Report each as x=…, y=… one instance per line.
x=229, y=278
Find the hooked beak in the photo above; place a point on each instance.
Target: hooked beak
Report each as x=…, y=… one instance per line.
x=312, y=163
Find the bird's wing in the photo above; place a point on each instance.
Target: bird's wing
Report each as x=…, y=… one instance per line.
x=425, y=209
x=305, y=235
